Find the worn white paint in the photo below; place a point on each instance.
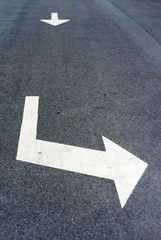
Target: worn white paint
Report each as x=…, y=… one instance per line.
x=115, y=163
x=55, y=21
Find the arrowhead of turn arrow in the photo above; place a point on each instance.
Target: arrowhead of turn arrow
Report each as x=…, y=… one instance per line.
x=128, y=169
x=54, y=21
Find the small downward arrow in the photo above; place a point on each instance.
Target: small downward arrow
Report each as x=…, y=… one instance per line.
x=54, y=21
x=115, y=163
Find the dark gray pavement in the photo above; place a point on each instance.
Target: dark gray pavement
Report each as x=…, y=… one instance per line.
x=95, y=78
x=146, y=13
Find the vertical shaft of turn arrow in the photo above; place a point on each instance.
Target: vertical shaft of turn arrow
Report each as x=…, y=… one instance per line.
x=28, y=132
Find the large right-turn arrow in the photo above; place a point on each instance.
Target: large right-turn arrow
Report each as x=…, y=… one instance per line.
x=115, y=163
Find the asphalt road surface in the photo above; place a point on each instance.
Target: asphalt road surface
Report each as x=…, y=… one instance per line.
x=97, y=75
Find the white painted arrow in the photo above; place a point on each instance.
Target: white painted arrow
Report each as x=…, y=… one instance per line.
x=55, y=21
x=115, y=163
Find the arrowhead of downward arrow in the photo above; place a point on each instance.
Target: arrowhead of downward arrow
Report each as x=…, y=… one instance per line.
x=54, y=21
x=128, y=169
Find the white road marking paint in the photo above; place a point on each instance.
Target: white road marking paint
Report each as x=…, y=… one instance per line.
x=55, y=21
x=115, y=163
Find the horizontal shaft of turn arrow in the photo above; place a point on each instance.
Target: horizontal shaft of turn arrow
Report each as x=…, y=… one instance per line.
x=115, y=163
